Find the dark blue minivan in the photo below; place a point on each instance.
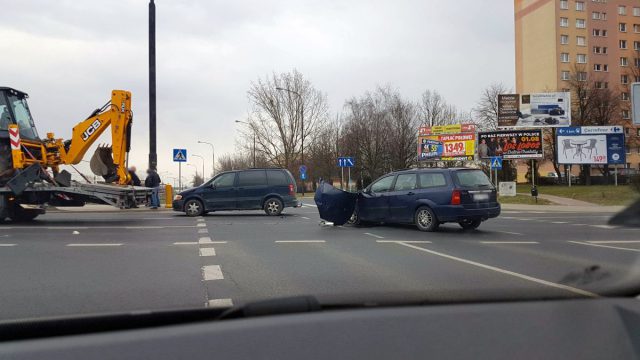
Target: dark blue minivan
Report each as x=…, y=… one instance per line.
x=268, y=189
x=428, y=198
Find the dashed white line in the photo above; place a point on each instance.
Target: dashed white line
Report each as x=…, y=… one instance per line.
x=375, y=236
x=212, y=272
x=186, y=243
x=310, y=205
x=93, y=245
x=401, y=241
x=509, y=242
x=608, y=227
x=143, y=227
x=304, y=217
x=510, y=233
x=559, y=222
x=299, y=241
x=503, y=271
x=605, y=246
x=615, y=242
x=207, y=252
x=7, y=245
x=217, y=303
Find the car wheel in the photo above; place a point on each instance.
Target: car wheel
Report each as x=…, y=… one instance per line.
x=273, y=207
x=354, y=219
x=193, y=208
x=469, y=224
x=426, y=219
x=21, y=214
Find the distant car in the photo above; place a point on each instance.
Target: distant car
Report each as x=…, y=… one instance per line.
x=428, y=198
x=271, y=190
x=556, y=111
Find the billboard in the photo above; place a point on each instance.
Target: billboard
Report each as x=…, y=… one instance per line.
x=534, y=110
x=447, y=143
x=591, y=145
x=514, y=144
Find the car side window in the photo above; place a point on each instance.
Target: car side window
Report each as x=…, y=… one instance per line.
x=429, y=180
x=276, y=177
x=252, y=178
x=405, y=182
x=382, y=185
x=225, y=180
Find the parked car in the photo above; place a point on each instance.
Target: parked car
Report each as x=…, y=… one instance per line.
x=428, y=198
x=269, y=189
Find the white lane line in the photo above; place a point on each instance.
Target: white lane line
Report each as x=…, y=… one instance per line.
x=216, y=303
x=212, y=272
x=375, y=236
x=207, y=252
x=503, y=271
x=204, y=240
x=159, y=218
x=559, y=222
x=143, y=227
x=203, y=231
x=579, y=224
x=7, y=245
x=200, y=220
x=510, y=233
x=615, y=242
x=523, y=219
x=304, y=217
x=509, y=242
x=299, y=241
x=310, y=205
x=201, y=225
x=401, y=241
x=93, y=245
x=186, y=243
x=605, y=246
x=608, y=227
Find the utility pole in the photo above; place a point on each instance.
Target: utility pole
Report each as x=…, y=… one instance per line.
x=201, y=158
x=153, y=155
x=301, y=125
x=213, y=157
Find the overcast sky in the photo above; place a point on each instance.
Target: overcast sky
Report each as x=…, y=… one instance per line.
x=69, y=54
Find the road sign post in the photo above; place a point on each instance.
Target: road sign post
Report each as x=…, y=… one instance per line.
x=345, y=162
x=496, y=164
x=303, y=176
x=180, y=156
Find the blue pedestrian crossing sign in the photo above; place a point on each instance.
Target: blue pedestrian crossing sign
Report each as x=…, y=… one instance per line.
x=180, y=155
x=496, y=163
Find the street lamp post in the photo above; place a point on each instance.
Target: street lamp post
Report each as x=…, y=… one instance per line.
x=213, y=157
x=201, y=158
x=301, y=125
x=254, y=139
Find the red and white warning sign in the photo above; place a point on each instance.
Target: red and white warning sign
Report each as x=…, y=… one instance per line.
x=14, y=137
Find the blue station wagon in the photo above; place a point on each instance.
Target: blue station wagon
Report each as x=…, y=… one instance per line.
x=428, y=198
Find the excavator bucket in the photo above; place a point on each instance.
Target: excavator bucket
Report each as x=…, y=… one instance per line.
x=102, y=164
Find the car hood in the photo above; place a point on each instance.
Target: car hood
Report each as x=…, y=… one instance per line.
x=188, y=191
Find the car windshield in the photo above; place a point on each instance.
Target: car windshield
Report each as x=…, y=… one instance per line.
x=361, y=153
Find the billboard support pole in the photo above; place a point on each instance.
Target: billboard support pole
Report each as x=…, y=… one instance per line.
x=180, y=176
x=615, y=174
x=533, y=172
x=569, y=176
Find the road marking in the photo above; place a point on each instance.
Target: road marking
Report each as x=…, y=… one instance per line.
x=185, y=243
x=579, y=224
x=510, y=233
x=304, y=217
x=503, y=271
x=207, y=252
x=201, y=225
x=608, y=227
x=203, y=231
x=615, y=242
x=559, y=222
x=204, y=240
x=509, y=242
x=217, y=303
x=524, y=219
x=200, y=220
x=143, y=227
x=212, y=272
x=310, y=205
x=93, y=245
x=217, y=242
x=375, y=236
x=605, y=246
x=159, y=218
x=7, y=245
x=299, y=241
x=401, y=241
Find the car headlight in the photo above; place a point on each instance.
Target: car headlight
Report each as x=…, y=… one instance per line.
x=177, y=197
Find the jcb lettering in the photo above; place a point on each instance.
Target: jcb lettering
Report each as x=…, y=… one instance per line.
x=91, y=129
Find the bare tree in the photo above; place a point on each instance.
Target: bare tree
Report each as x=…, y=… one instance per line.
x=197, y=180
x=486, y=111
x=277, y=116
x=434, y=110
x=228, y=162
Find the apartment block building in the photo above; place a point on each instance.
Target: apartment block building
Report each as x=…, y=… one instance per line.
x=585, y=40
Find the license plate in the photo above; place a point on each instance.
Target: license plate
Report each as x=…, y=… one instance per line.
x=480, y=197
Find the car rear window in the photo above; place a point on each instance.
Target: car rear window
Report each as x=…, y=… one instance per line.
x=252, y=178
x=473, y=178
x=429, y=180
x=276, y=177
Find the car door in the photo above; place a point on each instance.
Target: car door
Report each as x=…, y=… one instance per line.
x=252, y=187
x=373, y=205
x=402, y=198
x=434, y=187
x=220, y=194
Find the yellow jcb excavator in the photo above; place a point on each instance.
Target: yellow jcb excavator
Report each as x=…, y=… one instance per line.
x=25, y=159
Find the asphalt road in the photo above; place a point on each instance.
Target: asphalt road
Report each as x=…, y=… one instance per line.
x=79, y=263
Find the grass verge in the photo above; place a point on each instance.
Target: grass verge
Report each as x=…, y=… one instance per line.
x=597, y=194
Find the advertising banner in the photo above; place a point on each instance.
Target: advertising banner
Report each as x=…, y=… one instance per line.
x=534, y=110
x=592, y=145
x=524, y=144
x=447, y=142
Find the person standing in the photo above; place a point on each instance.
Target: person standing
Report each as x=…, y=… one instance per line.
x=483, y=149
x=135, y=180
x=153, y=181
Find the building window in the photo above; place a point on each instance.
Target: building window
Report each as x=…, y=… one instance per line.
x=605, y=50
x=597, y=67
x=564, y=22
x=623, y=44
x=636, y=28
x=565, y=75
x=564, y=4
x=636, y=45
x=596, y=15
x=581, y=59
x=636, y=62
x=581, y=40
x=604, y=33
x=605, y=68
x=604, y=16
x=564, y=57
x=564, y=39
x=599, y=85
x=582, y=76
x=596, y=32
x=622, y=27
x=625, y=96
x=622, y=10
x=637, y=78
x=597, y=50
x=581, y=23
x=624, y=61
x=625, y=114
x=636, y=11
x=624, y=79
x=579, y=5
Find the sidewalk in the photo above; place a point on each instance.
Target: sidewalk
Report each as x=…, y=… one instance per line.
x=563, y=201
x=591, y=208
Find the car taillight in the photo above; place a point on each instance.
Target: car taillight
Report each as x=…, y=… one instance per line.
x=291, y=190
x=455, y=197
